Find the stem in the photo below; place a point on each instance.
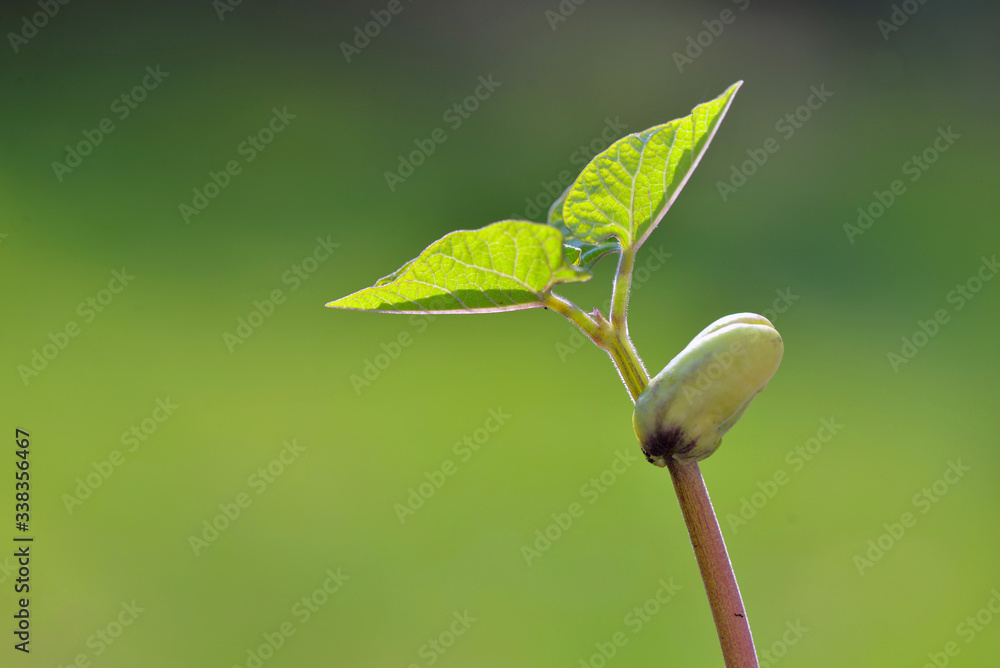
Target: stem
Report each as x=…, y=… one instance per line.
x=621, y=289
x=626, y=360
x=706, y=538
x=716, y=569
x=611, y=338
x=623, y=353
x=577, y=317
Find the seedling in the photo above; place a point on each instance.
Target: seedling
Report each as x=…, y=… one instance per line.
x=612, y=208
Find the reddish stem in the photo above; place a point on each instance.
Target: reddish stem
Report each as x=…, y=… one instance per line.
x=716, y=569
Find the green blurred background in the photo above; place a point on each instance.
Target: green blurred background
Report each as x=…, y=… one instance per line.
x=847, y=304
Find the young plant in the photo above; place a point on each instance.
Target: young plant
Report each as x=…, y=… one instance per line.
x=612, y=208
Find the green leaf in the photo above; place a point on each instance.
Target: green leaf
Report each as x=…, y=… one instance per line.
x=580, y=253
x=394, y=275
x=626, y=190
x=505, y=266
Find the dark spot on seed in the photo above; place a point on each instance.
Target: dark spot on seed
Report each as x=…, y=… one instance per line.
x=668, y=443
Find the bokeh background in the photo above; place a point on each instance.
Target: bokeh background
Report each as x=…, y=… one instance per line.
x=776, y=245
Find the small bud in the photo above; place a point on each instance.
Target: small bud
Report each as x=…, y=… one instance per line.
x=703, y=391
